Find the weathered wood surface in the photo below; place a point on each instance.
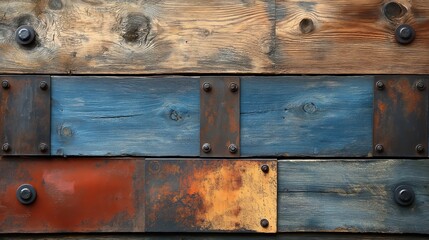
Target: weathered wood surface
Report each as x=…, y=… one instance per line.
x=351, y=196
x=239, y=36
x=280, y=116
x=125, y=116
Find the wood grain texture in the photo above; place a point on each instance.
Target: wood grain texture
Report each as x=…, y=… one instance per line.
x=306, y=116
x=350, y=37
x=351, y=196
x=146, y=36
x=125, y=116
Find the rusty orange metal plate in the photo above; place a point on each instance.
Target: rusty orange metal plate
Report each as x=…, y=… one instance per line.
x=210, y=195
x=73, y=195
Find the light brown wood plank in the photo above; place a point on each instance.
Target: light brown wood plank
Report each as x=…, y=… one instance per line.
x=349, y=37
x=132, y=37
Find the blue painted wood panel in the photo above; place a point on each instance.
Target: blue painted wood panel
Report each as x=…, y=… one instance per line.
x=351, y=195
x=306, y=116
x=125, y=116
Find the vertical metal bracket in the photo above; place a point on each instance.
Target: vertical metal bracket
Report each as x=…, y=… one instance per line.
x=25, y=110
x=400, y=116
x=220, y=117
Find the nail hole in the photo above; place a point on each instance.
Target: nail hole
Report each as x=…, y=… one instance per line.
x=306, y=25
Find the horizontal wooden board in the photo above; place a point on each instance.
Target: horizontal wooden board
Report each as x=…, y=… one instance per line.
x=306, y=116
x=125, y=116
x=225, y=36
x=280, y=116
x=351, y=196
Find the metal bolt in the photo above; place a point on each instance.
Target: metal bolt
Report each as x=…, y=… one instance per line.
x=25, y=35
x=265, y=168
x=404, y=195
x=5, y=84
x=380, y=85
x=420, y=85
x=25, y=193
x=233, y=87
x=420, y=148
x=206, y=147
x=405, y=34
x=43, y=85
x=207, y=87
x=6, y=147
x=43, y=147
x=265, y=223
x=379, y=148
x=232, y=148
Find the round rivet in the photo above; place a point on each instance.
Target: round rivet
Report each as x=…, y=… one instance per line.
x=25, y=35
x=404, y=195
x=233, y=87
x=207, y=87
x=5, y=84
x=6, y=147
x=405, y=34
x=420, y=85
x=265, y=223
x=379, y=148
x=420, y=148
x=26, y=194
x=206, y=147
x=43, y=85
x=380, y=85
x=43, y=147
x=265, y=168
x=232, y=148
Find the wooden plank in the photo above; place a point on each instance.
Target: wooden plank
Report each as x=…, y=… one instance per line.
x=125, y=116
x=306, y=116
x=351, y=196
x=138, y=37
x=349, y=37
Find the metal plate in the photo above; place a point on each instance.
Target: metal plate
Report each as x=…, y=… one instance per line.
x=220, y=117
x=210, y=195
x=25, y=115
x=73, y=195
x=400, y=116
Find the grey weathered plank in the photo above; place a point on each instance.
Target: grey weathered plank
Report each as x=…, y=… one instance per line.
x=125, y=116
x=351, y=196
x=306, y=116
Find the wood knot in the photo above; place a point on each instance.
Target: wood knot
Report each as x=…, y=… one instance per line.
x=55, y=4
x=309, y=107
x=394, y=10
x=134, y=28
x=306, y=26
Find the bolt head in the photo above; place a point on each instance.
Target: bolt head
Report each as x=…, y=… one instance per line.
x=265, y=168
x=265, y=223
x=404, y=195
x=233, y=87
x=232, y=148
x=25, y=194
x=5, y=84
x=420, y=148
x=6, y=147
x=207, y=87
x=43, y=147
x=379, y=148
x=43, y=85
x=25, y=35
x=404, y=34
x=206, y=147
x=420, y=85
x=380, y=85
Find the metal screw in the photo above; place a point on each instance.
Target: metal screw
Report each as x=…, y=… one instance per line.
x=233, y=87
x=420, y=85
x=43, y=147
x=6, y=147
x=265, y=168
x=5, y=84
x=380, y=85
x=264, y=223
x=25, y=35
x=420, y=148
x=404, y=195
x=206, y=147
x=25, y=194
x=379, y=148
x=207, y=87
x=232, y=148
x=43, y=85
x=405, y=34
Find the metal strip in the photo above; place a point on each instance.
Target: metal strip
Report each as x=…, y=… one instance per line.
x=400, y=116
x=25, y=115
x=220, y=117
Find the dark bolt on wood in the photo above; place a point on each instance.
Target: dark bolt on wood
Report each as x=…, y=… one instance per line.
x=43, y=85
x=25, y=35
x=420, y=85
x=207, y=87
x=265, y=223
x=380, y=85
x=26, y=194
x=206, y=147
x=379, y=148
x=404, y=195
x=405, y=34
x=5, y=84
x=6, y=147
x=232, y=148
x=233, y=87
x=265, y=168
x=43, y=147
x=420, y=148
